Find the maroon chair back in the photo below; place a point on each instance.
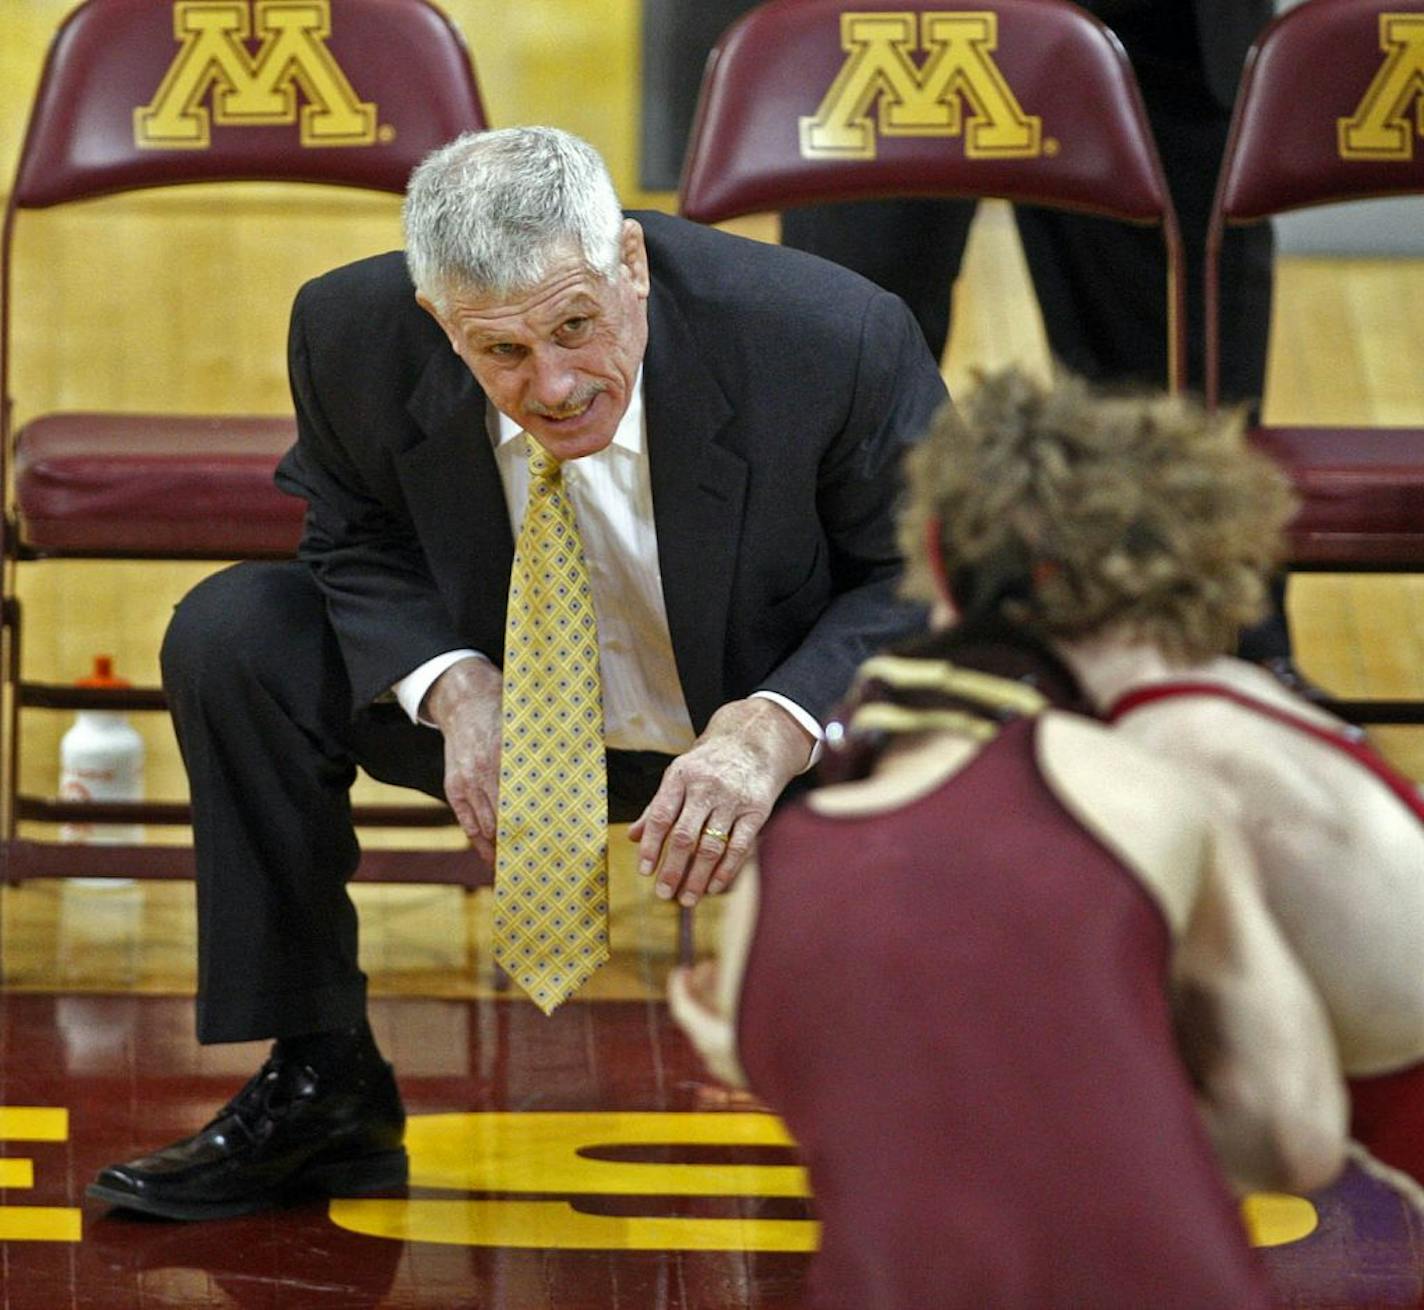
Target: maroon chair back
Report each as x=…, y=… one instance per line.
x=142, y=93
x=1328, y=110
x=153, y=93
x=809, y=101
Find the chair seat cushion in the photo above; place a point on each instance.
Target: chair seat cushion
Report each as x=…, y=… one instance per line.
x=92, y=483
x=1362, y=494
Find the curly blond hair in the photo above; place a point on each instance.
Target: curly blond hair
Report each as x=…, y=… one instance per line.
x=1136, y=512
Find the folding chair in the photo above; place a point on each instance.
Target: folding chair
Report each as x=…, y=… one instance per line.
x=140, y=94
x=807, y=101
x=1329, y=110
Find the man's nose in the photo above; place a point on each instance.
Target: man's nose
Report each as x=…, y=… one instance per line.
x=552, y=380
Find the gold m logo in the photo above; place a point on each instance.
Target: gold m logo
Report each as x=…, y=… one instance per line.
x=929, y=100
x=253, y=89
x=1381, y=128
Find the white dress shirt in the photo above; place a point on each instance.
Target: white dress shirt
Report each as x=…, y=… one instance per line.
x=612, y=497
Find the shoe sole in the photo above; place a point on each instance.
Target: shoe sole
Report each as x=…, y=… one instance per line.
x=368, y=1173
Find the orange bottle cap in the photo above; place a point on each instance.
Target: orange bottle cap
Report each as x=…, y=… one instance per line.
x=103, y=674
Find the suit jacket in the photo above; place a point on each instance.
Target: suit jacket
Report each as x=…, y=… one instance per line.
x=779, y=390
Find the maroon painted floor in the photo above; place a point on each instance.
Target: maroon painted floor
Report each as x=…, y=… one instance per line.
x=131, y=1077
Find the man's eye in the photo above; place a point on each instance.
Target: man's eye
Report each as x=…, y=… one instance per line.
x=504, y=350
x=574, y=327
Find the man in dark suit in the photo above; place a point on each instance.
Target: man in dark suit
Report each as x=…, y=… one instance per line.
x=729, y=418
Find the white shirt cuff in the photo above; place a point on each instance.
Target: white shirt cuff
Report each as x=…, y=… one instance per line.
x=807, y=721
x=411, y=689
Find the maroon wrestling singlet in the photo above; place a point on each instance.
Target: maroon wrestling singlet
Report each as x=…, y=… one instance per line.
x=960, y=1008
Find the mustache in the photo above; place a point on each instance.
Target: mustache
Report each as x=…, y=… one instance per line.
x=575, y=404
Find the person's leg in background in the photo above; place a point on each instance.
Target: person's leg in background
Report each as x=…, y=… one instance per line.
x=1102, y=284
x=677, y=36
x=911, y=247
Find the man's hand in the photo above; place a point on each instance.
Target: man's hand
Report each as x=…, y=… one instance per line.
x=465, y=703
x=714, y=799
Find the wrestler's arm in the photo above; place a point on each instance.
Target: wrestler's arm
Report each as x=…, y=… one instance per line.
x=1251, y=1029
x=704, y=998
x=1254, y=1035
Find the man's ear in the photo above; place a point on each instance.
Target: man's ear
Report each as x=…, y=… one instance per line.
x=934, y=554
x=633, y=255
x=428, y=306
x=943, y=612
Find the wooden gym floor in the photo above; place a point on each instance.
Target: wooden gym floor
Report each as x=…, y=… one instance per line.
x=585, y=1160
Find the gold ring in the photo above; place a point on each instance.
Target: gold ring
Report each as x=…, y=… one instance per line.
x=717, y=834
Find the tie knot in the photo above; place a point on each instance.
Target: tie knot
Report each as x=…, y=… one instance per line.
x=542, y=465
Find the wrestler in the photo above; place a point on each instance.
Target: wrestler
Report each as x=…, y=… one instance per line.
x=1144, y=530
x=1014, y=992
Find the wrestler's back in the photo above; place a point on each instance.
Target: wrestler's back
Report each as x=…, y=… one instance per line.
x=1341, y=856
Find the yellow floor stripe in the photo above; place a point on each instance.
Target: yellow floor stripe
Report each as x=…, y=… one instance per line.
x=17, y=1173
x=1275, y=1219
x=28, y=1123
x=39, y=1223
x=556, y=1225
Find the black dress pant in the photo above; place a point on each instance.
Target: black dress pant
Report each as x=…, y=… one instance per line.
x=262, y=708
x=1101, y=284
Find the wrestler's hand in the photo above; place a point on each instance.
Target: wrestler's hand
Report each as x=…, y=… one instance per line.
x=465, y=703
x=699, y=983
x=725, y=784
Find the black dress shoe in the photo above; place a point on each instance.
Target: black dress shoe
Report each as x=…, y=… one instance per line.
x=291, y=1133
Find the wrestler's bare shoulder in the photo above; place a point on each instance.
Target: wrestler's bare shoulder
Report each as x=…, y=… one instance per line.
x=1152, y=814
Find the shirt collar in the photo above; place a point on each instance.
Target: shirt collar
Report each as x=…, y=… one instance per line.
x=628, y=437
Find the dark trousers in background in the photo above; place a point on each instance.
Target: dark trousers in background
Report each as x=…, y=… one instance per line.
x=1101, y=284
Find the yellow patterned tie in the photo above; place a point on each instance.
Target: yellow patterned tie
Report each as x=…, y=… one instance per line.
x=551, y=849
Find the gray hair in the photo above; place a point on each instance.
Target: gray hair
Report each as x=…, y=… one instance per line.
x=489, y=211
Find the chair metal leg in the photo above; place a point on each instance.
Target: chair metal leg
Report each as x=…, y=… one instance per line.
x=684, y=935
x=10, y=767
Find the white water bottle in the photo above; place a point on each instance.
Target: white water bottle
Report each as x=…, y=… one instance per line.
x=101, y=759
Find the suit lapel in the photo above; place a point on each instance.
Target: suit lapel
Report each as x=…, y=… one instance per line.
x=456, y=499
x=698, y=492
